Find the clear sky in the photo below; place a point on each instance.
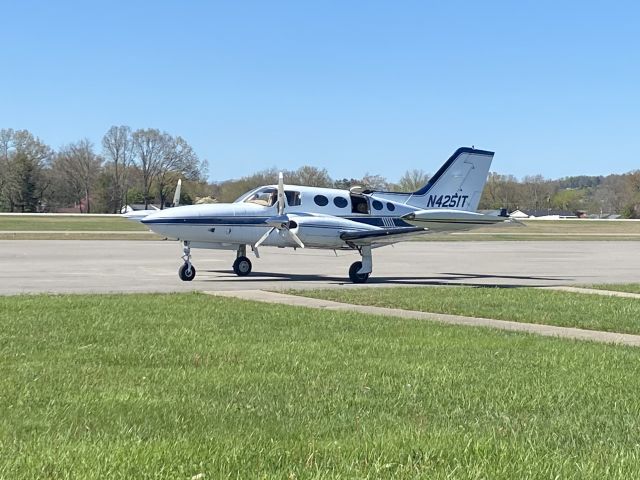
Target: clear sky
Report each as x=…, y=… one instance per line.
x=553, y=87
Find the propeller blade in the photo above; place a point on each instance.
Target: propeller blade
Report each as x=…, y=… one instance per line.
x=176, y=196
x=296, y=238
x=263, y=237
x=280, y=194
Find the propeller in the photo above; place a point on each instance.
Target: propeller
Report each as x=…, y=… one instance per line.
x=176, y=196
x=282, y=222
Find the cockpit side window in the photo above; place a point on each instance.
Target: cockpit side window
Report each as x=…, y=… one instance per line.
x=293, y=198
x=266, y=197
x=359, y=204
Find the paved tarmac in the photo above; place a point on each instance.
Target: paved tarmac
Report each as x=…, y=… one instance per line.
x=63, y=266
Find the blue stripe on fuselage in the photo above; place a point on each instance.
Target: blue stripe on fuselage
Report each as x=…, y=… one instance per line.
x=260, y=221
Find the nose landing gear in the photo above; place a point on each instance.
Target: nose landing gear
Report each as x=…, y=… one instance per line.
x=187, y=271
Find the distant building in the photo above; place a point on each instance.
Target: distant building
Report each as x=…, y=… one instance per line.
x=134, y=207
x=548, y=214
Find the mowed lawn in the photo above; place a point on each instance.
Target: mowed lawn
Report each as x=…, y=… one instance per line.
x=172, y=386
x=529, y=305
x=618, y=287
x=545, y=230
x=68, y=223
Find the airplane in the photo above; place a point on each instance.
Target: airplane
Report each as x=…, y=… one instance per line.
x=140, y=214
x=293, y=216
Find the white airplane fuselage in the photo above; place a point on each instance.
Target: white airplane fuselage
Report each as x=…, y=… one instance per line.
x=243, y=222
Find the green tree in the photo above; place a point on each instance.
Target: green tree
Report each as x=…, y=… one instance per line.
x=23, y=161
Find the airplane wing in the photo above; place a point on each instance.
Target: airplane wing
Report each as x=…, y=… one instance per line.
x=381, y=237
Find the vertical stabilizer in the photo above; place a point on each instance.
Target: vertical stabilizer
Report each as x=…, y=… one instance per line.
x=458, y=184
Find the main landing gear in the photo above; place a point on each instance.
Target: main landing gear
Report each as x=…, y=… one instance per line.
x=359, y=271
x=242, y=265
x=187, y=271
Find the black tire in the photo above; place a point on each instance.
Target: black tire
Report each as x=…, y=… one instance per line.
x=353, y=273
x=187, y=274
x=242, y=266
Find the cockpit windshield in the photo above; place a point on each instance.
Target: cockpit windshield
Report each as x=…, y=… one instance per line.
x=265, y=197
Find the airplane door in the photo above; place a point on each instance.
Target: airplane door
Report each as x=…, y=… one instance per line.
x=359, y=204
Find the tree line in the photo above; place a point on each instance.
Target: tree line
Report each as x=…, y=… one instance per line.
x=133, y=166
x=143, y=166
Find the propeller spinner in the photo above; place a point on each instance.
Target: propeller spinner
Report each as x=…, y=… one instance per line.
x=282, y=222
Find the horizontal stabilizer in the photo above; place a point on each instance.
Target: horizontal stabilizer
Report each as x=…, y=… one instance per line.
x=449, y=220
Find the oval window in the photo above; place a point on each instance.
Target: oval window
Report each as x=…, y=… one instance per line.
x=376, y=204
x=390, y=206
x=340, y=202
x=321, y=200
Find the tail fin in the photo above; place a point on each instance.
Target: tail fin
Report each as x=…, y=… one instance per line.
x=458, y=184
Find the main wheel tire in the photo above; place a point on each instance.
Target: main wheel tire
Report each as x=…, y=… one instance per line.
x=187, y=273
x=242, y=266
x=355, y=276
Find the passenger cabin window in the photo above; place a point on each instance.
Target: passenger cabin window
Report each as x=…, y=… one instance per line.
x=359, y=204
x=340, y=202
x=321, y=200
x=265, y=197
x=390, y=206
x=377, y=205
x=293, y=198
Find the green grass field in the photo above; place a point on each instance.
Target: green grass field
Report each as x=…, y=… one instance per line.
x=618, y=287
x=66, y=227
x=528, y=305
x=170, y=386
x=69, y=223
x=548, y=230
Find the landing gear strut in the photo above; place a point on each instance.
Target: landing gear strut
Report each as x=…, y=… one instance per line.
x=359, y=271
x=187, y=271
x=242, y=265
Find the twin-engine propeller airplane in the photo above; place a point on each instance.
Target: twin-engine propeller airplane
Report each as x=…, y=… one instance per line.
x=308, y=217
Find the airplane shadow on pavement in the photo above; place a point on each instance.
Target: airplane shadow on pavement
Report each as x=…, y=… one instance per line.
x=444, y=279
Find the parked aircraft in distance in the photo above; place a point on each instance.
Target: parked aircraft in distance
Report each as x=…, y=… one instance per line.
x=325, y=218
x=140, y=214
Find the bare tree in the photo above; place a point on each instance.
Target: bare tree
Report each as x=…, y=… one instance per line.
x=149, y=146
x=375, y=182
x=311, y=176
x=178, y=159
x=413, y=180
x=78, y=167
x=117, y=147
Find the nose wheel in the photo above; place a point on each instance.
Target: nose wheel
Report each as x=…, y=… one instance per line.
x=187, y=271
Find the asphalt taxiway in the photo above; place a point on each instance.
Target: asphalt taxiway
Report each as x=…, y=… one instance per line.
x=70, y=266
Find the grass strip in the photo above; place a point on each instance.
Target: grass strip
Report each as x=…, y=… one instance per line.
x=170, y=386
x=617, y=287
x=527, y=305
x=68, y=223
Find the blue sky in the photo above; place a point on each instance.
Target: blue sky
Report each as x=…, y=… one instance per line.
x=354, y=87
